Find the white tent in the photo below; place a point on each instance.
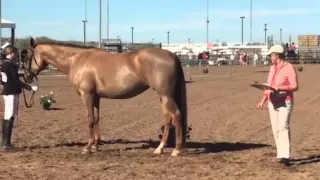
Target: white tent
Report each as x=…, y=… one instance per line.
x=8, y=24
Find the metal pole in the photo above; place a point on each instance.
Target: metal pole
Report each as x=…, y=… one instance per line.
x=132, y=35
x=168, y=37
x=108, y=20
x=265, y=33
x=208, y=25
x=250, y=21
x=84, y=23
x=280, y=36
x=100, y=22
x=84, y=32
x=289, y=39
x=0, y=22
x=242, y=17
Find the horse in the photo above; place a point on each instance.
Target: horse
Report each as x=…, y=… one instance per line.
x=97, y=74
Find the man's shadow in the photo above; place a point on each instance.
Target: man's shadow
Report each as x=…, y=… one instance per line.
x=307, y=160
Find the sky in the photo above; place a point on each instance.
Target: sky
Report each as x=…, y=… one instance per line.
x=151, y=19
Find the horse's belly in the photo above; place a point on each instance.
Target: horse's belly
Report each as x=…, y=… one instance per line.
x=122, y=91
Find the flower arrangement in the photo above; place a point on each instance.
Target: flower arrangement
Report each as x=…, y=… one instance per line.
x=47, y=100
x=171, y=137
x=205, y=70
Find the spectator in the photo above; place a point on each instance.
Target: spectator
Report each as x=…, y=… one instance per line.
x=283, y=81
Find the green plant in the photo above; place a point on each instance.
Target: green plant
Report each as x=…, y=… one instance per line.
x=47, y=101
x=300, y=68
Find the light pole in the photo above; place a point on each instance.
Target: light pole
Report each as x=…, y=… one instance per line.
x=84, y=32
x=108, y=20
x=250, y=21
x=132, y=35
x=0, y=22
x=168, y=36
x=242, y=17
x=100, y=19
x=265, y=33
x=289, y=39
x=207, y=25
x=84, y=23
x=280, y=35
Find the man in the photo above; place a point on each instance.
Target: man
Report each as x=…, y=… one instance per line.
x=12, y=87
x=255, y=58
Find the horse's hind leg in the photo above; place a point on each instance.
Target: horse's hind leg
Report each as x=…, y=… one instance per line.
x=176, y=119
x=96, y=124
x=169, y=109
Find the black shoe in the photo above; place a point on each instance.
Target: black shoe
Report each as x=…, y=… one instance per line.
x=8, y=148
x=284, y=161
x=7, y=126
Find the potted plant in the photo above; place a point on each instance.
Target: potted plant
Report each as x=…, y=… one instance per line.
x=47, y=101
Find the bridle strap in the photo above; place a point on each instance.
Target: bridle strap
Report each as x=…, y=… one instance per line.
x=31, y=101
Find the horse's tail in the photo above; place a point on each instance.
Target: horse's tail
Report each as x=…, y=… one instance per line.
x=180, y=96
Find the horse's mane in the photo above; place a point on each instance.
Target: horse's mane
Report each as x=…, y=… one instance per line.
x=66, y=44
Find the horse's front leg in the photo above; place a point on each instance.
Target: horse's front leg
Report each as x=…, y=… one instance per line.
x=95, y=147
x=88, y=101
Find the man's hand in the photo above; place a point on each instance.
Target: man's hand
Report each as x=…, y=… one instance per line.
x=260, y=105
x=34, y=88
x=27, y=87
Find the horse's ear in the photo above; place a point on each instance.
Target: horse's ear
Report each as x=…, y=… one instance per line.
x=33, y=42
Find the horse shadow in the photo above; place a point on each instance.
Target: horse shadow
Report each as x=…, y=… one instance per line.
x=308, y=160
x=208, y=147
x=213, y=147
x=196, y=147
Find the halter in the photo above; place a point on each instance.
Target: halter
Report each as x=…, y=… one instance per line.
x=33, y=58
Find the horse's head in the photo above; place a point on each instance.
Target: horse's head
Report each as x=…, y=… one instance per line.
x=33, y=62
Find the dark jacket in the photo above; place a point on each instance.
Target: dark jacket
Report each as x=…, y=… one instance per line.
x=10, y=79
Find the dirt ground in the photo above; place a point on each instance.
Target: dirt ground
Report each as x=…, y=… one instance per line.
x=230, y=138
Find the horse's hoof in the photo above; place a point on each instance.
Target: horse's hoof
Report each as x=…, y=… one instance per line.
x=86, y=151
x=94, y=149
x=175, y=153
x=158, y=151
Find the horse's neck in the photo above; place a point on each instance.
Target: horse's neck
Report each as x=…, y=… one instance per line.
x=60, y=60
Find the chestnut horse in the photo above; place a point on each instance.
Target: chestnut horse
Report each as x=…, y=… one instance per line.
x=97, y=74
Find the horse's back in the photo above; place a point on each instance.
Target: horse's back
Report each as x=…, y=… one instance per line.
x=158, y=68
x=125, y=75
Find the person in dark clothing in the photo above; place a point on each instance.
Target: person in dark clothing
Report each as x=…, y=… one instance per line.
x=12, y=87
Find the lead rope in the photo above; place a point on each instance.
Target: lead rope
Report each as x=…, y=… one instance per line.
x=32, y=96
x=31, y=99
